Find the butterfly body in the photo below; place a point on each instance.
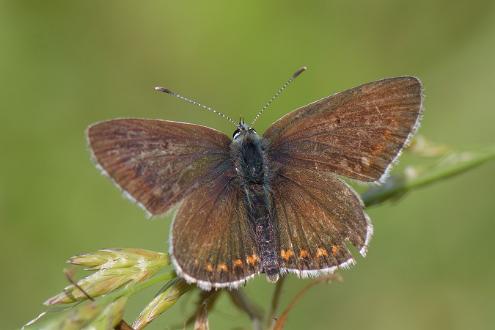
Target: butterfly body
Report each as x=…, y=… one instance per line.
x=248, y=154
x=271, y=203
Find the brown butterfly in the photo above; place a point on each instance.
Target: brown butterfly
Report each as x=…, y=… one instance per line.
x=270, y=204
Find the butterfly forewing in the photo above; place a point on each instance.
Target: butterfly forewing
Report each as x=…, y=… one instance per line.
x=156, y=162
x=211, y=241
x=357, y=133
x=317, y=215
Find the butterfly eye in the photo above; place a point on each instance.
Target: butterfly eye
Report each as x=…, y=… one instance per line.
x=236, y=133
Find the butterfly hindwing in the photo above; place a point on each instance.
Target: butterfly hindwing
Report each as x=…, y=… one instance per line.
x=156, y=162
x=212, y=243
x=357, y=133
x=317, y=215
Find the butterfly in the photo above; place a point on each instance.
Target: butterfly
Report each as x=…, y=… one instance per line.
x=271, y=203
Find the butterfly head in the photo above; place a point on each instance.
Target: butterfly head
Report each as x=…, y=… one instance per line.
x=242, y=131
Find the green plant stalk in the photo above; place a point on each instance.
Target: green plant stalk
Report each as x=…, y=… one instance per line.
x=400, y=185
x=133, y=289
x=161, y=302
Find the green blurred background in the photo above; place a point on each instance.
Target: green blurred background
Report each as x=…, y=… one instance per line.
x=66, y=64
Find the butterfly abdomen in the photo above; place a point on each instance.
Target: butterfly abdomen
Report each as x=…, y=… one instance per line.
x=251, y=166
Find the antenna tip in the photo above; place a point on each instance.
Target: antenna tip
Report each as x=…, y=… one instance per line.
x=298, y=72
x=163, y=90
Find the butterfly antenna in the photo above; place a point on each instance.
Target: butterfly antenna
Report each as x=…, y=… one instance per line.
x=168, y=91
x=277, y=94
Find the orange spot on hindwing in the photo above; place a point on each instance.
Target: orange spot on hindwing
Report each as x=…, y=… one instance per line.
x=252, y=259
x=286, y=254
x=321, y=252
x=238, y=263
x=303, y=253
x=222, y=267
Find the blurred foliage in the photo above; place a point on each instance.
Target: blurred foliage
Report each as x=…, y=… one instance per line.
x=66, y=64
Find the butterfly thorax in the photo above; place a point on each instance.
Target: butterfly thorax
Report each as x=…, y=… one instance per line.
x=251, y=165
